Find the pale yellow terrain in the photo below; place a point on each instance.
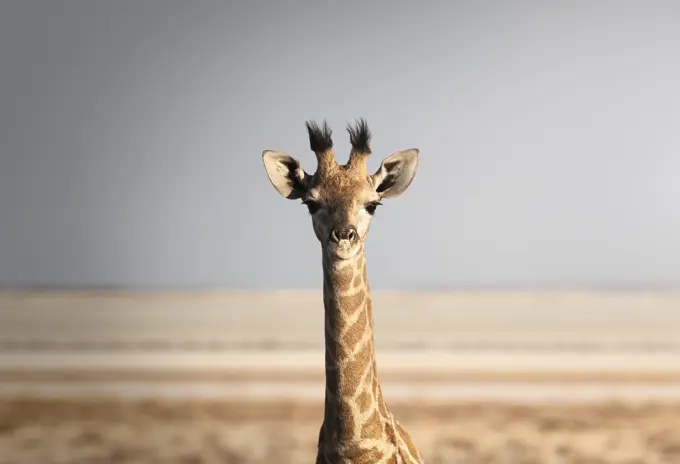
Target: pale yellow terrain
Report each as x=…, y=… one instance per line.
x=294, y=319
x=477, y=378
x=146, y=432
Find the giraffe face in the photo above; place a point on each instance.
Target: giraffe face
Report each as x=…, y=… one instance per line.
x=341, y=205
x=341, y=199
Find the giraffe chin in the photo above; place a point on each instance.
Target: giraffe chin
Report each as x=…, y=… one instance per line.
x=340, y=253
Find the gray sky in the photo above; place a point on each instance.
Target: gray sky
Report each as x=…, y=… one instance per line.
x=131, y=136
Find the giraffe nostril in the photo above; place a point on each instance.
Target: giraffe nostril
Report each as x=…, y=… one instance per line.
x=344, y=233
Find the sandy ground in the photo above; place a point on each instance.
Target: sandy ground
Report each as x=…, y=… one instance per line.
x=405, y=375
x=173, y=432
x=407, y=320
x=477, y=378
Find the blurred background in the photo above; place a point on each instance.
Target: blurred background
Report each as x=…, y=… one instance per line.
x=161, y=303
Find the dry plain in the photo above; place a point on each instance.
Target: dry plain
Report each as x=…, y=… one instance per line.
x=191, y=431
x=506, y=377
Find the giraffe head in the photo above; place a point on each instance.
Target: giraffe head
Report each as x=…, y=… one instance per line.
x=341, y=199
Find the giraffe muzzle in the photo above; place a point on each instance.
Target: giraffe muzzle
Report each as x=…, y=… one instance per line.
x=348, y=235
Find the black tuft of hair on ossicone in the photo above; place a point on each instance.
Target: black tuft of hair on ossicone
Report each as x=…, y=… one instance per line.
x=319, y=137
x=360, y=136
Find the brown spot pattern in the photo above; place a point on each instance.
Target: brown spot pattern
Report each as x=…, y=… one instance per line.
x=355, y=373
x=347, y=425
x=369, y=457
x=350, y=304
x=352, y=371
x=357, y=332
x=343, y=277
x=373, y=426
x=364, y=401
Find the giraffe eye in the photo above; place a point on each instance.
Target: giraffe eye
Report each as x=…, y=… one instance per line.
x=312, y=206
x=370, y=208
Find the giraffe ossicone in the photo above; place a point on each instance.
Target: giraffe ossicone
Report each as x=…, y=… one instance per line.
x=342, y=199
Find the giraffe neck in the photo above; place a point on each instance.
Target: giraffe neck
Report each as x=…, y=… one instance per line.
x=354, y=407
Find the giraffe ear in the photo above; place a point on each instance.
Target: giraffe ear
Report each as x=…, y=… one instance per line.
x=396, y=173
x=285, y=174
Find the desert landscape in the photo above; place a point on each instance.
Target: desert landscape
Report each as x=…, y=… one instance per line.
x=152, y=431
x=507, y=377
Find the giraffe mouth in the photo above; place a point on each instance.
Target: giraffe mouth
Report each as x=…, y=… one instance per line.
x=343, y=251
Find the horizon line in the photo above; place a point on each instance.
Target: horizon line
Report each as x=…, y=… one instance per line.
x=632, y=288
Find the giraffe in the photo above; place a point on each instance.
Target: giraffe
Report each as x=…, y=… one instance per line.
x=357, y=426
